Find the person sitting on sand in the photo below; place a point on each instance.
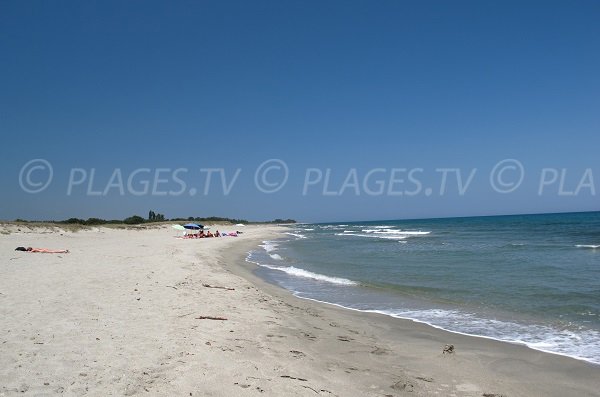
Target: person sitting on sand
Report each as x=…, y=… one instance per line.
x=42, y=250
x=209, y=234
x=217, y=234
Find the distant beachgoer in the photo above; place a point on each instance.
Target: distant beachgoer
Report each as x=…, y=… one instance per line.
x=217, y=234
x=209, y=234
x=42, y=250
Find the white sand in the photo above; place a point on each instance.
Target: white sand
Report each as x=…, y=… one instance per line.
x=118, y=316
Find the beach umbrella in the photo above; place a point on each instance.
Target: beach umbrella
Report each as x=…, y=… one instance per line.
x=193, y=226
x=178, y=228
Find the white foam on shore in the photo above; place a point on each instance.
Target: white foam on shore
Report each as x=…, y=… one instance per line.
x=269, y=246
x=581, y=345
x=294, y=271
x=276, y=257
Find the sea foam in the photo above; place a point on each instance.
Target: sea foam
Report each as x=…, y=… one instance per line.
x=592, y=246
x=269, y=246
x=297, y=235
x=294, y=271
x=389, y=237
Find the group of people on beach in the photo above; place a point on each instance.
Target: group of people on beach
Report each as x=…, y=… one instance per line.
x=208, y=233
x=202, y=234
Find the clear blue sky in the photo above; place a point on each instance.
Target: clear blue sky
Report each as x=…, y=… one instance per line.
x=317, y=84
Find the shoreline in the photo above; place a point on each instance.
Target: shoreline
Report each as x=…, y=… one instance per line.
x=470, y=345
x=122, y=312
x=447, y=330
x=389, y=314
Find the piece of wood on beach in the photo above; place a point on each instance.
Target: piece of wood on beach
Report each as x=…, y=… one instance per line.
x=216, y=286
x=210, y=318
x=293, y=377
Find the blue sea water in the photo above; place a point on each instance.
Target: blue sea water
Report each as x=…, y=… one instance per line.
x=529, y=279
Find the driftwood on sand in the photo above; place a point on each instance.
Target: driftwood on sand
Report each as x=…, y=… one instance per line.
x=210, y=318
x=216, y=286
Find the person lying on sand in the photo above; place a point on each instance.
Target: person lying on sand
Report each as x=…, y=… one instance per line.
x=42, y=250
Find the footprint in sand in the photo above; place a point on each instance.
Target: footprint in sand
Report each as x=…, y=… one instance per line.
x=468, y=387
x=404, y=385
x=297, y=354
x=424, y=378
x=379, y=351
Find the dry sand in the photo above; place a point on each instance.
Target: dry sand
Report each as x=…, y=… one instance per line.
x=119, y=315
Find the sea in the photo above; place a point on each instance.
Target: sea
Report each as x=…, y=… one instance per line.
x=525, y=279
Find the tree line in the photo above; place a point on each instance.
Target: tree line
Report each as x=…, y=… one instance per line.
x=156, y=217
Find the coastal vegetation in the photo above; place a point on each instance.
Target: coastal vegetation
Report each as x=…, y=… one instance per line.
x=154, y=217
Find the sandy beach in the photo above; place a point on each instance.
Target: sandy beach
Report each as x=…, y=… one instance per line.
x=122, y=314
